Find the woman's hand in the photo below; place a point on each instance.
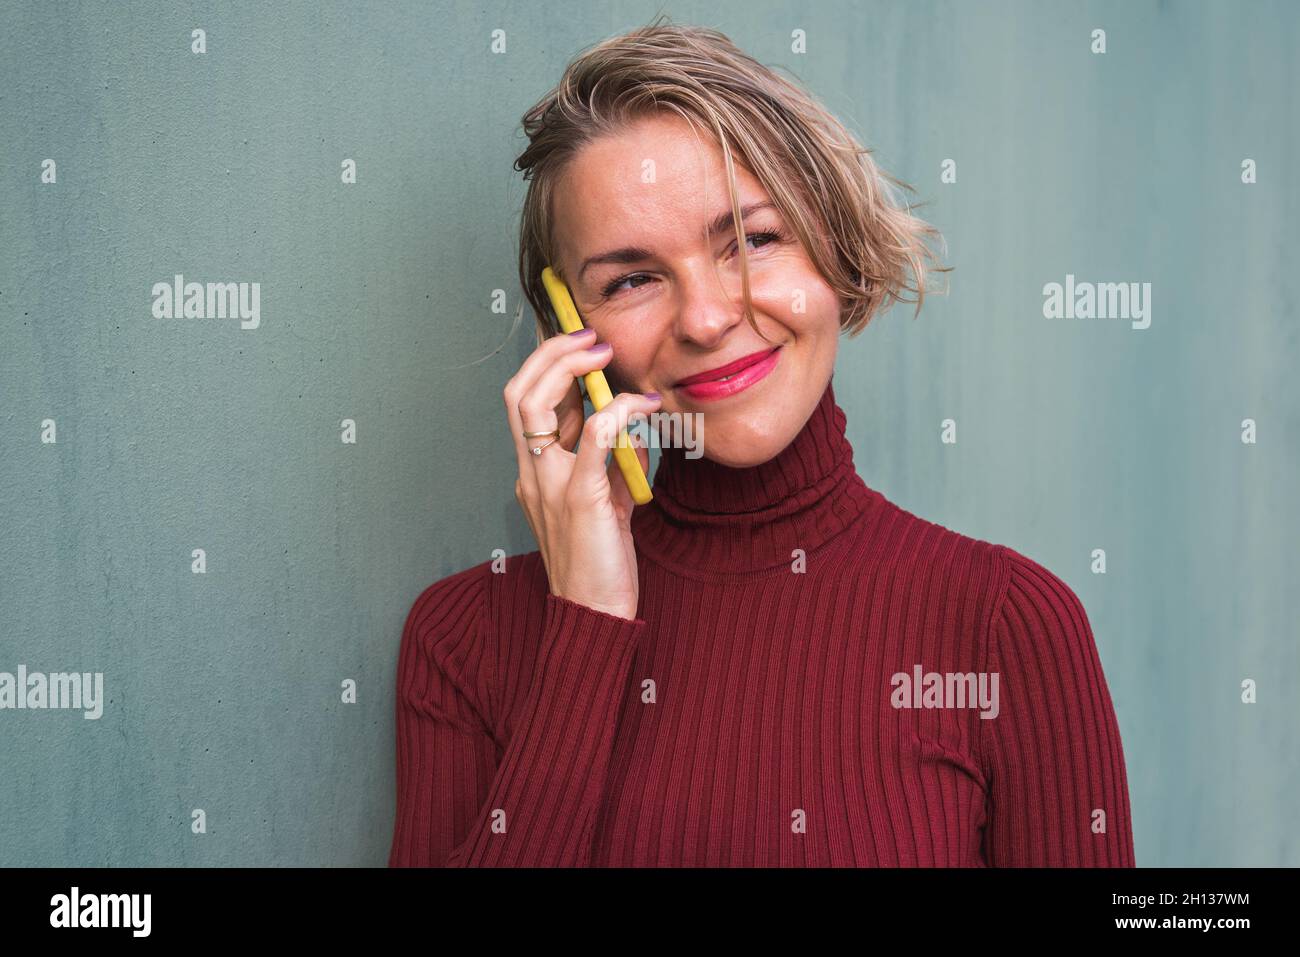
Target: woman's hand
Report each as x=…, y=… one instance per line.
x=579, y=509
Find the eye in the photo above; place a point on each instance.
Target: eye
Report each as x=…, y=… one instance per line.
x=768, y=236
x=763, y=238
x=613, y=286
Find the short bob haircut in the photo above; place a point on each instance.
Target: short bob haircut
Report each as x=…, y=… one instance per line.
x=871, y=251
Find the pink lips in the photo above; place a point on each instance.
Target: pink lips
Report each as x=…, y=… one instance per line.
x=736, y=382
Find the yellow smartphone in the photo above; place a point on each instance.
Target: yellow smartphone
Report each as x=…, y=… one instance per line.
x=597, y=388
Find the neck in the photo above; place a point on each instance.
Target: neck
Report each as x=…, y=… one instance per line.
x=712, y=520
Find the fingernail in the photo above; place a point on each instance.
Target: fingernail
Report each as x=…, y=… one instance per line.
x=600, y=348
x=652, y=396
x=583, y=332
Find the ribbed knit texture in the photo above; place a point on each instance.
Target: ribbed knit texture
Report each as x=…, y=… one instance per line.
x=747, y=716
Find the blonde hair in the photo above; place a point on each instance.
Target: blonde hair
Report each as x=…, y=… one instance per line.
x=871, y=251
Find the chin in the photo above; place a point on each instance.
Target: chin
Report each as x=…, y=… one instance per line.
x=747, y=452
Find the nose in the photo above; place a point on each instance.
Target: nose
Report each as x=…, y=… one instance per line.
x=706, y=307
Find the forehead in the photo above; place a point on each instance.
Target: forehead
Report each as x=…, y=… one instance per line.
x=648, y=181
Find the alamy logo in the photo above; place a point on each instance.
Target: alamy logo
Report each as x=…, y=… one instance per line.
x=102, y=910
x=931, y=689
x=56, y=690
x=660, y=430
x=1102, y=300
x=179, y=299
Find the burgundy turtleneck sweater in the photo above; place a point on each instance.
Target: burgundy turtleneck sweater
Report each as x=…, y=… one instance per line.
x=773, y=703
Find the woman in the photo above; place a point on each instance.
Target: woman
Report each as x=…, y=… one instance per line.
x=770, y=664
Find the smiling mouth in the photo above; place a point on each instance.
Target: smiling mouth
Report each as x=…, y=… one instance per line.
x=742, y=376
x=734, y=369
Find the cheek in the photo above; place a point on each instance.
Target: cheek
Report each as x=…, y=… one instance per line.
x=629, y=365
x=800, y=298
x=823, y=304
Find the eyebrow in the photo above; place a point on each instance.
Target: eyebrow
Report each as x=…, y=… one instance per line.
x=631, y=254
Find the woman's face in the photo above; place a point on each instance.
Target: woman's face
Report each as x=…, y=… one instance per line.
x=633, y=218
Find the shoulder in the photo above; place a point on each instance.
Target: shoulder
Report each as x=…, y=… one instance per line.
x=1009, y=592
x=919, y=547
x=1039, y=622
x=1004, y=571
x=484, y=585
x=475, y=597
x=1033, y=595
x=445, y=635
x=460, y=624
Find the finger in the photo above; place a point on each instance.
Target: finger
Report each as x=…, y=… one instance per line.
x=571, y=413
x=558, y=383
x=538, y=412
x=522, y=381
x=599, y=435
x=619, y=492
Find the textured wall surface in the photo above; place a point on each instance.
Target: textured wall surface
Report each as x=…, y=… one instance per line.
x=223, y=690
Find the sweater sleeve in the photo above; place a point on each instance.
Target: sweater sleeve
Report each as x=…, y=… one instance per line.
x=465, y=799
x=1057, y=788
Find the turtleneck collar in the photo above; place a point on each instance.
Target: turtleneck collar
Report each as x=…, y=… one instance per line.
x=708, y=520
